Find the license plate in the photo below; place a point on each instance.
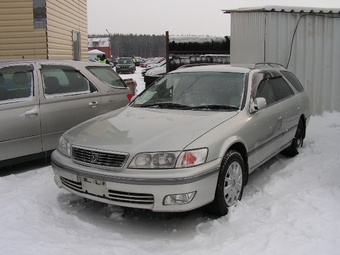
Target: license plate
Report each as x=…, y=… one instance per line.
x=94, y=186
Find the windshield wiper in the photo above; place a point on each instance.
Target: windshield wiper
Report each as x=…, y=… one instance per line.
x=214, y=107
x=167, y=105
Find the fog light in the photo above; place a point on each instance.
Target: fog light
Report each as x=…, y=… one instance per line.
x=179, y=199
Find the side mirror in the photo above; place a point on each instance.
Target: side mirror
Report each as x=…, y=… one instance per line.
x=258, y=104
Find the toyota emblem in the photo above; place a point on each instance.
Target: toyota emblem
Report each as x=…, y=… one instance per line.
x=94, y=157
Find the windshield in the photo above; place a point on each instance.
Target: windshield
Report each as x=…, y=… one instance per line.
x=125, y=61
x=195, y=91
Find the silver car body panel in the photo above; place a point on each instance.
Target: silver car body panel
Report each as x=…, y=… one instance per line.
x=34, y=124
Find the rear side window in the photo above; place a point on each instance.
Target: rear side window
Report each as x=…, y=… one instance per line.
x=64, y=79
x=293, y=80
x=281, y=89
x=107, y=75
x=16, y=82
x=274, y=90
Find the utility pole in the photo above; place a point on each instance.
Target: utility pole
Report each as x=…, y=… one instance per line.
x=110, y=45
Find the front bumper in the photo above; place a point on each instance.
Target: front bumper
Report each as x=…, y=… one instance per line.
x=124, y=69
x=143, y=190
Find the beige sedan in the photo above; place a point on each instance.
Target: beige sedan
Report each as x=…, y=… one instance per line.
x=39, y=100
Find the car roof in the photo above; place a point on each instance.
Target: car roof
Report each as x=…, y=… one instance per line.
x=212, y=68
x=46, y=61
x=235, y=68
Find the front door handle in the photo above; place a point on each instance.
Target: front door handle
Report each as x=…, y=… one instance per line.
x=93, y=104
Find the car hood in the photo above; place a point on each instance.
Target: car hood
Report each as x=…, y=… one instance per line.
x=140, y=129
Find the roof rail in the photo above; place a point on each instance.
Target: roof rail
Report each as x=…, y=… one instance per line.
x=269, y=64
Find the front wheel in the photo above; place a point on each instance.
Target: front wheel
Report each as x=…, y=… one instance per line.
x=230, y=183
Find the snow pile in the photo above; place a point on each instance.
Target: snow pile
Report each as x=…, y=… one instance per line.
x=195, y=38
x=290, y=206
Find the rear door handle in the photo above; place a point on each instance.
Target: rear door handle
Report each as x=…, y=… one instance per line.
x=31, y=113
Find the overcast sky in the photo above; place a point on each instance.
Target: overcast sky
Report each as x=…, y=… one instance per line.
x=179, y=17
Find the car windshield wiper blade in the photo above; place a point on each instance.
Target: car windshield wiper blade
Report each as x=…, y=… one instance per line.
x=167, y=105
x=215, y=107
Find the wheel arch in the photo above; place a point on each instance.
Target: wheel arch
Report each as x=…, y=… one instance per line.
x=241, y=148
x=304, y=121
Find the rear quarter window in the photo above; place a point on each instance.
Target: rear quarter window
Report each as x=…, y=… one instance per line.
x=107, y=75
x=293, y=80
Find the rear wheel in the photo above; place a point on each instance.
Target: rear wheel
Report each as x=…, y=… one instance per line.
x=297, y=141
x=230, y=183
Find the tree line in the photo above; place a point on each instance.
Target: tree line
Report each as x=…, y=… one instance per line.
x=137, y=45
x=155, y=46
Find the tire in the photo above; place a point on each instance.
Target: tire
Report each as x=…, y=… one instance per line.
x=230, y=183
x=297, y=141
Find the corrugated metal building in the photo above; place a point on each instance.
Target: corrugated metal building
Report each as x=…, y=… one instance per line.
x=305, y=40
x=43, y=29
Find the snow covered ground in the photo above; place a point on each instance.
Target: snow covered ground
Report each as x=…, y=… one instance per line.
x=290, y=206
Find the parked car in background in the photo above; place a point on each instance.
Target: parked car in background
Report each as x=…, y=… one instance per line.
x=189, y=140
x=157, y=62
x=39, y=100
x=114, y=61
x=144, y=70
x=152, y=62
x=138, y=61
x=143, y=63
x=125, y=65
x=153, y=74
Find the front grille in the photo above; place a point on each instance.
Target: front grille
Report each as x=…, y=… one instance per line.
x=99, y=158
x=134, y=198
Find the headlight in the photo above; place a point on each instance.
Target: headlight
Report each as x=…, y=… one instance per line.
x=154, y=160
x=64, y=147
x=168, y=160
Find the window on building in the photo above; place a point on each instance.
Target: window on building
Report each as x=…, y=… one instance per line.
x=39, y=12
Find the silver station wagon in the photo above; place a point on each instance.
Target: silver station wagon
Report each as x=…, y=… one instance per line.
x=191, y=139
x=40, y=100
